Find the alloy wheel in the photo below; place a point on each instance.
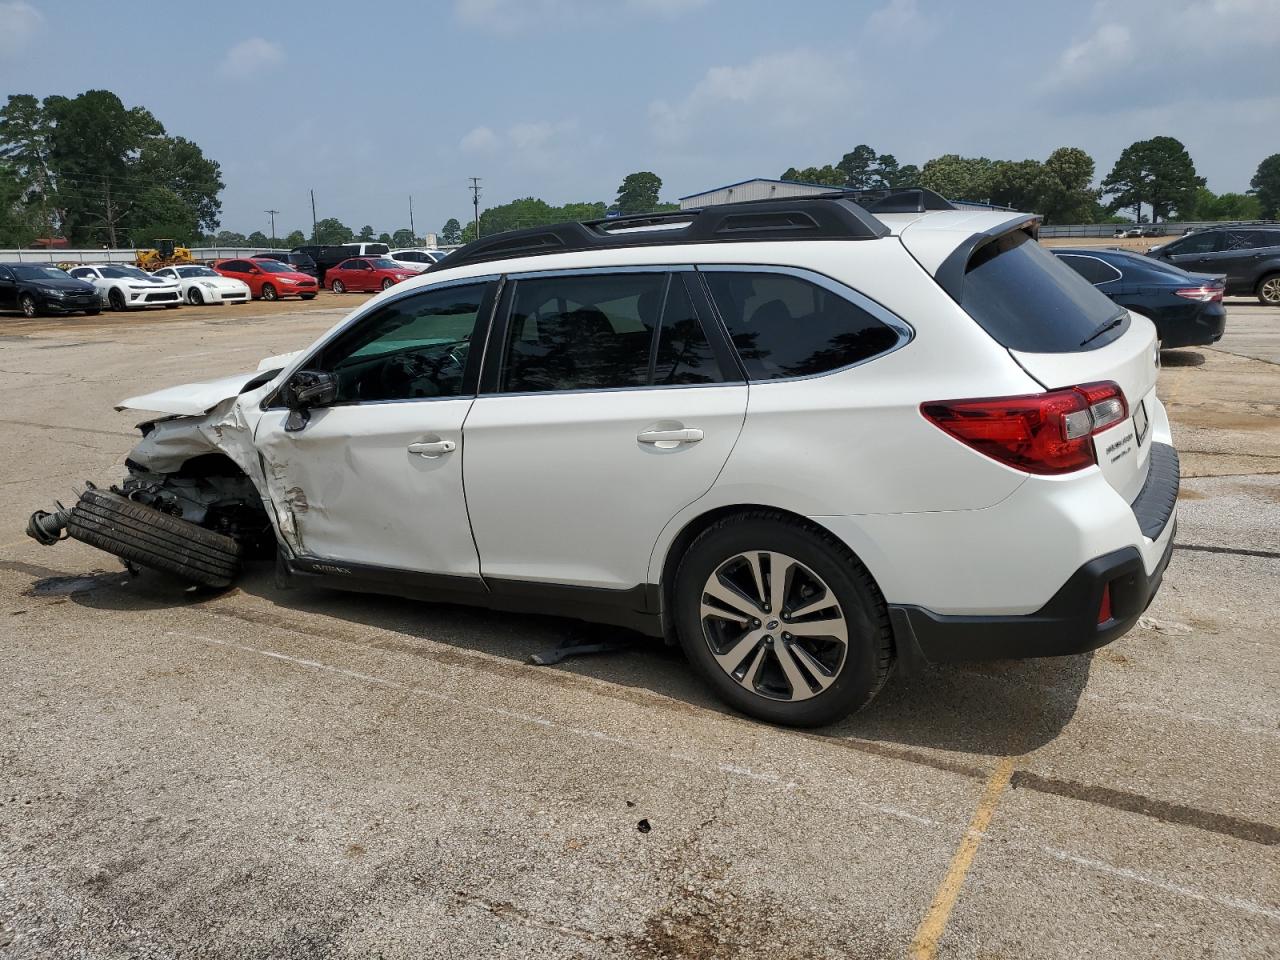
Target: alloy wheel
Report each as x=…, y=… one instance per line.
x=28, y=306
x=1271, y=291
x=774, y=626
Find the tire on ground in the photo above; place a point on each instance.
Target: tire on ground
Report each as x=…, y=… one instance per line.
x=144, y=535
x=870, y=654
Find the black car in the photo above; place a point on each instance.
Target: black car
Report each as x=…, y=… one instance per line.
x=1185, y=307
x=325, y=256
x=1248, y=255
x=302, y=262
x=36, y=288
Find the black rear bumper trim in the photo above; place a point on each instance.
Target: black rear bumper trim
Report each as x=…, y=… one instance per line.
x=1067, y=624
x=1154, y=504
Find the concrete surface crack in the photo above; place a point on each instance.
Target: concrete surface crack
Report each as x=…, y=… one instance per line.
x=1234, y=551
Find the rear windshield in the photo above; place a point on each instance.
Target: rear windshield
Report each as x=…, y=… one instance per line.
x=1029, y=300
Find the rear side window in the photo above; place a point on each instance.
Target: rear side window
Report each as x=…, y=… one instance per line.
x=1029, y=300
x=786, y=326
x=582, y=332
x=1251, y=239
x=1091, y=268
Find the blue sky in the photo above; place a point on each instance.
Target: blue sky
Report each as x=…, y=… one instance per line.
x=370, y=102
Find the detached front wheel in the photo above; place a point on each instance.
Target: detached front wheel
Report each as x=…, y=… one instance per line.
x=782, y=620
x=150, y=538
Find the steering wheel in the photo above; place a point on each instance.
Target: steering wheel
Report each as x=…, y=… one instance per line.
x=402, y=370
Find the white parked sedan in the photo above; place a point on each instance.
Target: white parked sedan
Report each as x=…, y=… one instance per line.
x=122, y=287
x=416, y=259
x=200, y=284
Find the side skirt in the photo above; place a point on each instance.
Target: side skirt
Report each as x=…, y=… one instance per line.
x=635, y=608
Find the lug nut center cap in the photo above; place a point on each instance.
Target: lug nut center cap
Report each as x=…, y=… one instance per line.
x=772, y=625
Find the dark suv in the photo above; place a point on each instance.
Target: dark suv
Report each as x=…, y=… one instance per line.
x=1248, y=255
x=302, y=262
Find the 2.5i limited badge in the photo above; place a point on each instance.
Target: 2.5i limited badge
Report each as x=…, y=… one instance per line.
x=1140, y=422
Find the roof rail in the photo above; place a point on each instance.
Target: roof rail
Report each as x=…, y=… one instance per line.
x=827, y=217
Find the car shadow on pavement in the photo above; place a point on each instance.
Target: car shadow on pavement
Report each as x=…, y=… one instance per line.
x=1001, y=709
x=1181, y=358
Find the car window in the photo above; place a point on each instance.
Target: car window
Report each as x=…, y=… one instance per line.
x=786, y=326
x=5, y=274
x=684, y=355
x=413, y=348
x=83, y=273
x=1206, y=242
x=586, y=332
x=236, y=266
x=1091, y=268
x=1250, y=239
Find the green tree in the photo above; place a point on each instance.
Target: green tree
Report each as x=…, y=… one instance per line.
x=229, y=238
x=856, y=168
x=1014, y=183
x=295, y=239
x=384, y=237
x=1224, y=206
x=366, y=234
x=957, y=177
x=1158, y=172
x=332, y=231
x=1067, y=194
x=451, y=232
x=1265, y=185
x=638, y=193
x=258, y=239
x=159, y=212
x=403, y=238
x=181, y=166
x=827, y=176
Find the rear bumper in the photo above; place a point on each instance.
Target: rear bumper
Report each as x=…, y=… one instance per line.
x=1067, y=624
x=1195, y=329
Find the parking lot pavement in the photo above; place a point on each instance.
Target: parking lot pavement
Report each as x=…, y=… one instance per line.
x=267, y=773
x=1253, y=330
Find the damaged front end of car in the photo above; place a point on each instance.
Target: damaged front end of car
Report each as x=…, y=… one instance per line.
x=191, y=501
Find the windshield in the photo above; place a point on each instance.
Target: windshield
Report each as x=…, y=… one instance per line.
x=187, y=272
x=382, y=263
x=274, y=266
x=132, y=273
x=39, y=273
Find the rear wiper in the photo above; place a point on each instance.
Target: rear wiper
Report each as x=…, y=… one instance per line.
x=1103, y=329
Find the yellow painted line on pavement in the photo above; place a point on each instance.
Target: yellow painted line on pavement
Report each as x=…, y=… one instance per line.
x=934, y=924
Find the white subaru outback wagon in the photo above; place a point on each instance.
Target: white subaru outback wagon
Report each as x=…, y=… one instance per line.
x=805, y=438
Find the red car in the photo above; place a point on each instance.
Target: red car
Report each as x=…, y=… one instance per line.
x=269, y=279
x=366, y=273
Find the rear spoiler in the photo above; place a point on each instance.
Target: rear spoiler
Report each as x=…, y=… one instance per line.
x=950, y=274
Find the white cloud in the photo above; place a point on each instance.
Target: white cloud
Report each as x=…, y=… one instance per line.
x=479, y=140
x=1125, y=56
x=21, y=22
x=251, y=56
x=778, y=91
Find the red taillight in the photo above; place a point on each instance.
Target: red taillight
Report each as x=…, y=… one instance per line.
x=1104, y=608
x=1044, y=433
x=1204, y=294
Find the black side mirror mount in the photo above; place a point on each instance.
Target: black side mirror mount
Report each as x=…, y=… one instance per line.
x=305, y=390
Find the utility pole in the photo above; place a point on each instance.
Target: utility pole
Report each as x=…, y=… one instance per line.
x=272, y=214
x=411, y=230
x=475, y=202
x=314, y=229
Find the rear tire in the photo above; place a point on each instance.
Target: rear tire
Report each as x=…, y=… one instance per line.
x=269, y=292
x=28, y=305
x=823, y=582
x=1269, y=290
x=146, y=536
x=339, y=287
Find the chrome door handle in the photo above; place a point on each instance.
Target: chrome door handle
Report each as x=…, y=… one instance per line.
x=686, y=435
x=432, y=448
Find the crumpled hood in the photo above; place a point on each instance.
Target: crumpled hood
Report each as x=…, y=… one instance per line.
x=189, y=399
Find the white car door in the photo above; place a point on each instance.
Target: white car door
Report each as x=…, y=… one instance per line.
x=606, y=407
x=374, y=477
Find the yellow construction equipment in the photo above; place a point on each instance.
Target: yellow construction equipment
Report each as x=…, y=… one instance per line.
x=165, y=254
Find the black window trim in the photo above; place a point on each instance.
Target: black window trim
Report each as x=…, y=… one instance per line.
x=726, y=357
x=493, y=294
x=906, y=333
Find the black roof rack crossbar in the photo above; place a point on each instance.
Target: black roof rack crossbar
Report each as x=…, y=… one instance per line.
x=828, y=217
